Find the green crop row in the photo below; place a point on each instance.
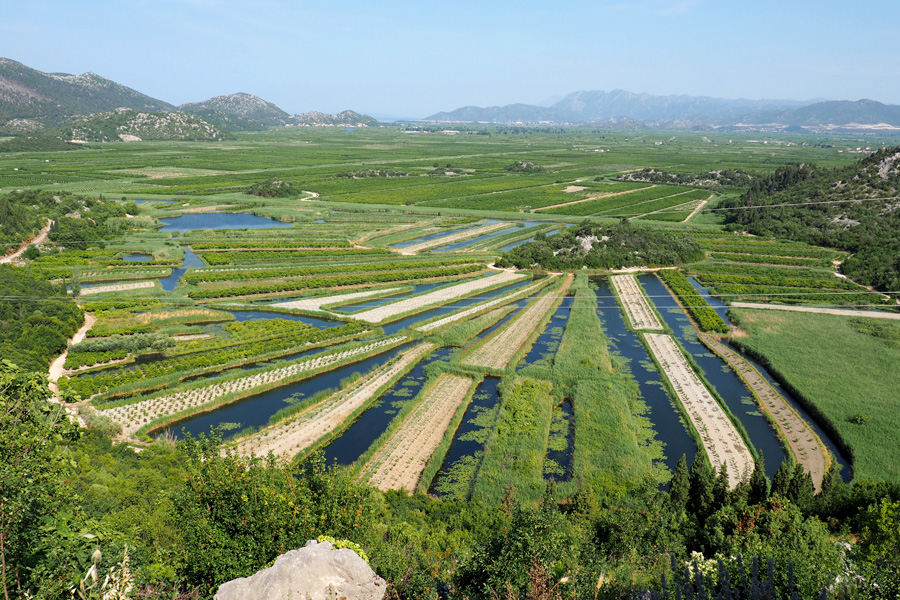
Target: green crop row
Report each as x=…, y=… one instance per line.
x=772, y=259
x=230, y=258
x=337, y=281
x=293, y=244
x=696, y=305
x=243, y=275
x=614, y=203
x=199, y=362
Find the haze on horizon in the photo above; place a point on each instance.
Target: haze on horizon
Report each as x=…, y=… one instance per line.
x=410, y=59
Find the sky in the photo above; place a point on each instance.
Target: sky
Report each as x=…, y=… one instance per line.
x=413, y=58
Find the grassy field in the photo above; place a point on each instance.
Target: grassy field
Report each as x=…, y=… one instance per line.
x=845, y=370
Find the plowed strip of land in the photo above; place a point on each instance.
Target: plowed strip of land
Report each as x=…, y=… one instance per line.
x=637, y=309
x=440, y=296
x=803, y=443
x=119, y=287
x=453, y=238
x=522, y=293
x=317, y=302
x=134, y=416
x=501, y=346
x=400, y=462
x=720, y=438
x=822, y=311
x=287, y=438
x=591, y=197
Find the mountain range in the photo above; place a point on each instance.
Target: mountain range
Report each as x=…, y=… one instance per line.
x=32, y=102
x=685, y=112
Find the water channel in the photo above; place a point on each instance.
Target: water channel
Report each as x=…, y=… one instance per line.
x=218, y=220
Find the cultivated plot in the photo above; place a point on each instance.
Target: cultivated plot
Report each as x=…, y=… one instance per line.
x=399, y=463
x=636, y=306
x=719, y=436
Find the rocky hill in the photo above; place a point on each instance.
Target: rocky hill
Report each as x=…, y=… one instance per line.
x=855, y=208
x=29, y=94
x=128, y=125
x=245, y=106
x=347, y=118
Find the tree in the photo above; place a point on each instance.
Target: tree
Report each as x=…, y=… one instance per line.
x=758, y=491
x=801, y=490
x=782, y=480
x=701, y=500
x=680, y=487
x=32, y=430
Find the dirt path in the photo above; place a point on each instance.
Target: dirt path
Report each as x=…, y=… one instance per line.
x=719, y=436
x=803, y=443
x=439, y=296
x=317, y=302
x=822, y=311
x=497, y=350
x=589, y=198
x=637, y=308
x=400, y=462
x=57, y=367
x=454, y=237
x=39, y=238
x=696, y=210
x=288, y=438
x=517, y=294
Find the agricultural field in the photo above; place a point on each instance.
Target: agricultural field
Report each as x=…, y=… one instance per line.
x=207, y=297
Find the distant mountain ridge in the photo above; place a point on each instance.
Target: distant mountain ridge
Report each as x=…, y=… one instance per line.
x=686, y=112
x=27, y=93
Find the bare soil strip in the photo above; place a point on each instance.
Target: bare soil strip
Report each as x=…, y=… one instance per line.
x=288, y=438
x=317, y=302
x=440, y=296
x=57, y=367
x=40, y=237
x=720, y=438
x=874, y=314
x=803, y=443
x=517, y=294
x=134, y=416
x=591, y=197
x=637, y=308
x=453, y=238
x=400, y=462
x=697, y=210
x=119, y=287
x=498, y=350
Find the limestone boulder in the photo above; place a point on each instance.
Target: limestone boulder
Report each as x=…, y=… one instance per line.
x=317, y=571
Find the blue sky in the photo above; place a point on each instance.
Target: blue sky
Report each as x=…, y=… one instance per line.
x=413, y=58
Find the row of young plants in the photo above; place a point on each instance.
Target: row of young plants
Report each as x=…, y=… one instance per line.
x=798, y=278
x=202, y=362
x=336, y=281
x=76, y=360
x=767, y=248
x=245, y=332
x=699, y=309
x=618, y=202
x=288, y=244
x=795, y=295
x=125, y=322
x=230, y=258
x=764, y=270
x=208, y=275
x=770, y=259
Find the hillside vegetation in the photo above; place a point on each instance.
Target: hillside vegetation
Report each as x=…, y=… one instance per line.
x=853, y=208
x=118, y=124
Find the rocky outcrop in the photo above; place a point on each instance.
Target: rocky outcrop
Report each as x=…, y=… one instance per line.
x=317, y=571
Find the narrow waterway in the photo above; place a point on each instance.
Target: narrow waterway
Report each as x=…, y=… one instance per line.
x=346, y=449
x=255, y=411
x=727, y=383
x=547, y=343
x=667, y=421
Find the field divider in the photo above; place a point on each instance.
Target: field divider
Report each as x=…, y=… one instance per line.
x=719, y=437
x=314, y=426
x=497, y=350
x=154, y=413
x=401, y=458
